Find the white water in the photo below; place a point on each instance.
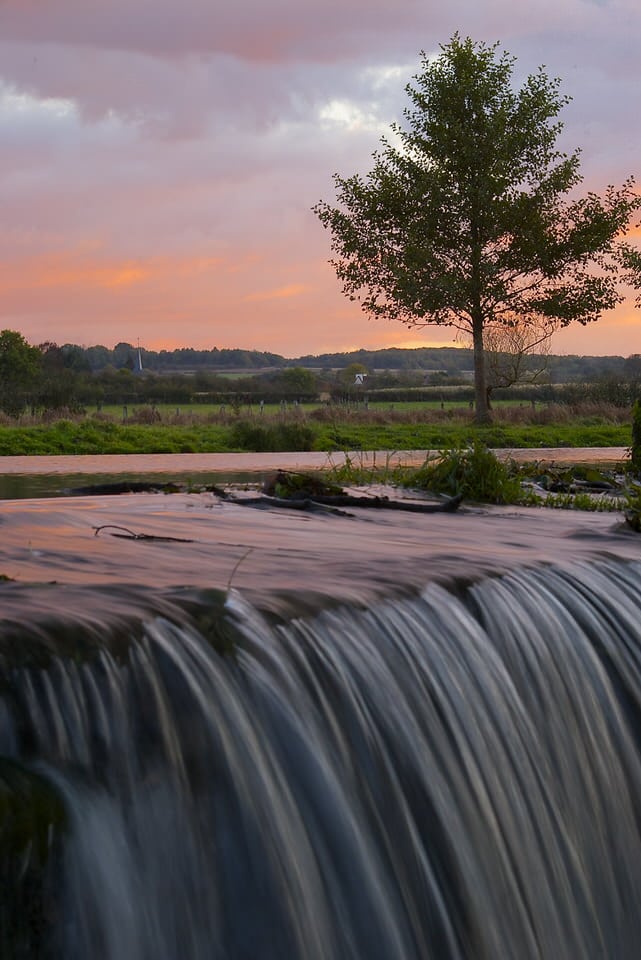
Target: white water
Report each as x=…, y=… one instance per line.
x=453, y=775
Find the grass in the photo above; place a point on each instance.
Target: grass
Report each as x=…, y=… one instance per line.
x=323, y=428
x=480, y=477
x=168, y=411
x=472, y=471
x=105, y=438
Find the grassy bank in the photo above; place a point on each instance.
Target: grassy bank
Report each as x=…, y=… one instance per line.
x=325, y=429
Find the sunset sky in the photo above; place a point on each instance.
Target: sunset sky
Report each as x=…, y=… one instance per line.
x=160, y=158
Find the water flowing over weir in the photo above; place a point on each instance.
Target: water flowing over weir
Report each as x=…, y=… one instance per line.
x=455, y=774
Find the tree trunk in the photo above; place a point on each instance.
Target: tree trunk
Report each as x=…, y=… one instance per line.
x=477, y=314
x=482, y=409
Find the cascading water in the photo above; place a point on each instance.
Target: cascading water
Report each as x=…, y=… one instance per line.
x=453, y=775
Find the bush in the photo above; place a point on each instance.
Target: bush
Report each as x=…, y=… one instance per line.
x=632, y=510
x=144, y=415
x=635, y=450
x=472, y=471
x=270, y=437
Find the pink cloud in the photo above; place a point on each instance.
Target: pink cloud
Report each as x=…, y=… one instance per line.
x=280, y=293
x=160, y=160
x=249, y=29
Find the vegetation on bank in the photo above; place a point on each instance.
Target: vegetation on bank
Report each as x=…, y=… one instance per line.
x=462, y=462
x=478, y=476
x=48, y=380
x=635, y=449
x=323, y=428
x=472, y=474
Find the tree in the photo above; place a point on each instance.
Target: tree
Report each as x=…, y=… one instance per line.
x=58, y=380
x=75, y=358
x=515, y=353
x=297, y=381
x=123, y=356
x=20, y=365
x=352, y=374
x=632, y=367
x=466, y=222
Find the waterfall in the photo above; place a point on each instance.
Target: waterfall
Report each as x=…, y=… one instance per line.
x=455, y=774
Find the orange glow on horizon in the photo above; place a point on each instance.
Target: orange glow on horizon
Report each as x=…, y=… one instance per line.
x=421, y=343
x=75, y=271
x=85, y=296
x=280, y=293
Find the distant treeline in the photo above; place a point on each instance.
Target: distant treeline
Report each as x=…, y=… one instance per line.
x=51, y=377
x=183, y=359
x=449, y=361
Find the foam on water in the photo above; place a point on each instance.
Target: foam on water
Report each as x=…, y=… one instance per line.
x=454, y=774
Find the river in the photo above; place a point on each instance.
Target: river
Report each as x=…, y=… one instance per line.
x=240, y=733
x=23, y=477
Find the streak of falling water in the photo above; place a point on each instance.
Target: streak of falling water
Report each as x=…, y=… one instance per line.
x=455, y=775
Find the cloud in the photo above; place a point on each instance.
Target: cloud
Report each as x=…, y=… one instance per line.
x=280, y=293
x=248, y=29
x=160, y=160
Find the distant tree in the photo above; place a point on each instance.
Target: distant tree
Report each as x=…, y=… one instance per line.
x=123, y=356
x=75, y=358
x=20, y=366
x=58, y=380
x=632, y=367
x=348, y=374
x=516, y=353
x=297, y=381
x=52, y=356
x=98, y=357
x=466, y=222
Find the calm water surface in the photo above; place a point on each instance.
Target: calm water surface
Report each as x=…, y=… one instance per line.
x=28, y=477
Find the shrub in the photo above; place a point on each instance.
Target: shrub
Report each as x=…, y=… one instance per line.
x=268, y=437
x=632, y=510
x=472, y=471
x=144, y=415
x=635, y=450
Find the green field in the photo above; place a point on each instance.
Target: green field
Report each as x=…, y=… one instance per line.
x=407, y=426
x=168, y=411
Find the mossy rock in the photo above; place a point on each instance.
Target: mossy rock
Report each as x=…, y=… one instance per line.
x=299, y=486
x=32, y=820
x=30, y=807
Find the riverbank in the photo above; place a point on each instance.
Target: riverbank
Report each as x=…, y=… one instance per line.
x=181, y=463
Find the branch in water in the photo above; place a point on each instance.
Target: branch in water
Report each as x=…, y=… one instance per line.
x=128, y=534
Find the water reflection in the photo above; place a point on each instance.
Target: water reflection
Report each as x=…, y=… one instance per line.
x=50, y=476
x=20, y=486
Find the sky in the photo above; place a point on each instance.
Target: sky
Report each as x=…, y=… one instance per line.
x=159, y=159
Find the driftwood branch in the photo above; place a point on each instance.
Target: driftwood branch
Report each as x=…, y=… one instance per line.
x=127, y=534
x=126, y=486
x=236, y=566
x=264, y=502
x=383, y=503
x=334, y=502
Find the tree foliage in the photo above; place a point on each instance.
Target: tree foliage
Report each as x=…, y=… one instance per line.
x=297, y=381
x=19, y=369
x=632, y=367
x=468, y=218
